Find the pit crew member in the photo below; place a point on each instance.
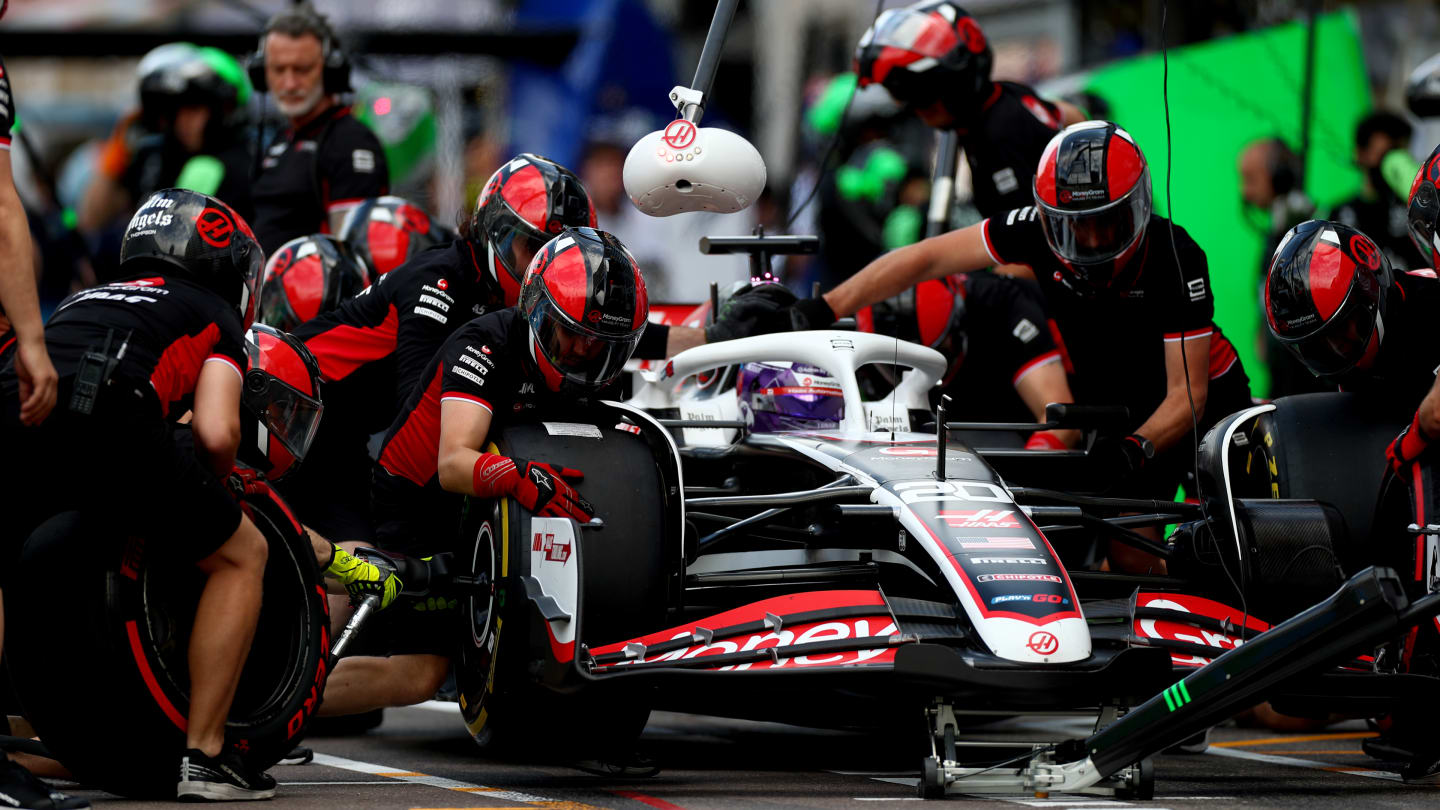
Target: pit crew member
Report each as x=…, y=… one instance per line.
x=583, y=307
x=1133, y=320
x=133, y=356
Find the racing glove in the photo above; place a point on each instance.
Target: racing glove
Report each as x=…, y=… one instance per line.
x=361, y=578
x=811, y=313
x=759, y=309
x=539, y=487
x=1407, y=447
x=1045, y=440
x=1120, y=457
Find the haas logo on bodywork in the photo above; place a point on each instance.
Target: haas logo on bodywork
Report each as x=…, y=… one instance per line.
x=555, y=551
x=979, y=519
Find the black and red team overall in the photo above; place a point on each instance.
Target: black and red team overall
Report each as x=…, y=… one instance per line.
x=374, y=348
x=583, y=290
x=933, y=57
x=1332, y=299
x=1121, y=283
x=159, y=326
x=7, y=122
x=993, y=329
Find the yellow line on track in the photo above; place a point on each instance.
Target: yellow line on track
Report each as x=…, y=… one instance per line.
x=1352, y=735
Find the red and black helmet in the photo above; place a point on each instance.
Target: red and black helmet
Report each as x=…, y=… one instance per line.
x=307, y=276
x=932, y=313
x=927, y=52
x=1425, y=207
x=1092, y=189
x=386, y=232
x=586, y=304
x=1325, y=296
x=202, y=237
x=523, y=205
x=281, y=401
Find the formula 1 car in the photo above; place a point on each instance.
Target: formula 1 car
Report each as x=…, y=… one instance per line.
x=869, y=575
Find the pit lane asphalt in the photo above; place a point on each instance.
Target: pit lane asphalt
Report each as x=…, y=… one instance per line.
x=423, y=758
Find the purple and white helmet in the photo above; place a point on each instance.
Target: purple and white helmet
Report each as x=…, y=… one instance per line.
x=789, y=396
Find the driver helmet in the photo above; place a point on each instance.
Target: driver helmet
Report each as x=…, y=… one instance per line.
x=385, y=232
x=201, y=237
x=1325, y=296
x=307, y=276
x=523, y=205
x=1425, y=207
x=585, y=302
x=925, y=53
x=1092, y=190
x=778, y=397
x=281, y=402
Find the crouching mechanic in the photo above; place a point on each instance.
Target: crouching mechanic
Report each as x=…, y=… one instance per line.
x=133, y=356
x=1129, y=290
x=582, y=311
x=1332, y=298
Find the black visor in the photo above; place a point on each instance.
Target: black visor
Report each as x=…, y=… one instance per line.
x=585, y=357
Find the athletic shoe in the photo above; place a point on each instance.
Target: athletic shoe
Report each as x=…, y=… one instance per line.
x=225, y=778
x=299, y=755
x=22, y=790
x=633, y=766
x=1424, y=769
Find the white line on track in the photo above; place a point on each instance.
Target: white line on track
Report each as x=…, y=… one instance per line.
x=346, y=783
x=1300, y=763
x=406, y=775
x=446, y=706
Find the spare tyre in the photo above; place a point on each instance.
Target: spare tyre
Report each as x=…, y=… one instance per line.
x=626, y=569
x=99, y=632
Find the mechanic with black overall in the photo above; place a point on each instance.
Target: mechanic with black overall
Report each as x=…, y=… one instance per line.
x=1333, y=299
x=582, y=311
x=1133, y=321
x=374, y=348
x=133, y=357
x=326, y=162
x=934, y=59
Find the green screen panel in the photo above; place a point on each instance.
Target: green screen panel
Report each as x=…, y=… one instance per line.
x=1223, y=95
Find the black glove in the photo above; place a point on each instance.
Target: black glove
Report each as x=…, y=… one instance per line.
x=811, y=313
x=756, y=310
x=1117, y=458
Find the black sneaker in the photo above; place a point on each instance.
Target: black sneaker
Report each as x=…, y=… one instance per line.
x=634, y=766
x=224, y=778
x=299, y=755
x=1423, y=769
x=21, y=789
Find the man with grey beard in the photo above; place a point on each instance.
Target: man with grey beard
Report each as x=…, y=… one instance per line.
x=327, y=161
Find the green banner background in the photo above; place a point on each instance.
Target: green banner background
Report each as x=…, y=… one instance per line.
x=1223, y=95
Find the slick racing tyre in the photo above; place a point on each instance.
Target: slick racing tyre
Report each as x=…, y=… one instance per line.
x=1328, y=447
x=515, y=695
x=98, y=639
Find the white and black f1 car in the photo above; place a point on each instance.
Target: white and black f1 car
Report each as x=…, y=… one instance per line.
x=854, y=577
